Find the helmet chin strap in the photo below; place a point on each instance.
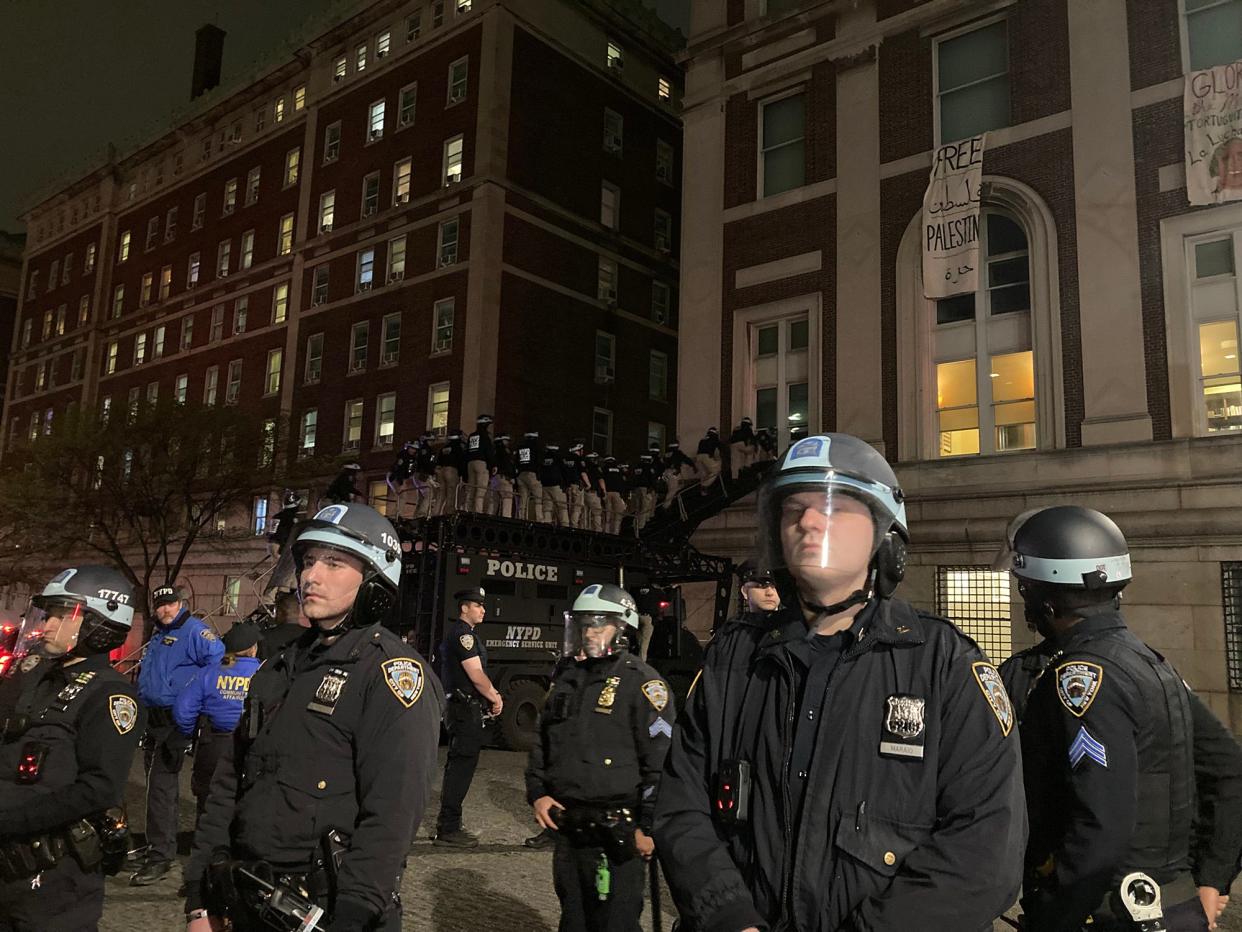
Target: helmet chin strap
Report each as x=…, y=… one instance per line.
x=857, y=597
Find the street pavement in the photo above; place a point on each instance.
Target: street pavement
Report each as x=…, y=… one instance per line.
x=498, y=886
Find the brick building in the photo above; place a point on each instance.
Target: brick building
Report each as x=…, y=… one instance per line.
x=1096, y=364
x=430, y=210
x=11, y=246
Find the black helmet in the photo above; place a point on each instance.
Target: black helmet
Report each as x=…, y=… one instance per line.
x=1070, y=546
x=366, y=534
x=104, y=598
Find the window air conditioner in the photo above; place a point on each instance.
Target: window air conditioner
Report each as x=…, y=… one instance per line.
x=350, y=445
x=369, y=210
x=318, y=300
x=395, y=276
x=338, y=78
x=388, y=359
x=325, y=228
x=364, y=286
x=376, y=133
x=402, y=198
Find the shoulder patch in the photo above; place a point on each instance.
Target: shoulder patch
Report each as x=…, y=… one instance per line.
x=1078, y=683
x=656, y=692
x=124, y=712
x=1086, y=746
x=993, y=688
x=405, y=679
x=467, y=641
x=207, y=634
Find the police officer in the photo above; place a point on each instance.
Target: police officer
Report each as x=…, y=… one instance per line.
x=69, y=727
x=884, y=817
x=181, y=646
x=678, y=468
x=574, y=466
x=593, y=500
x=464, y=657
x=742, y=446
x=285, y=520
x=615, y=488
x=529, y=462
x=765, y=446
x=757, y=589
x=324, y=784
x=506, y=473
x=480, y=462
x=450, y=467
x=593, y=777
x=707, y=459
x=552, y=478
x=645, y=484
x=343, y=487
x=1108, y=737
x=218, y=694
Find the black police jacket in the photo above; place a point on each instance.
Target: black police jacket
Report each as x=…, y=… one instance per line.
x=425, y=463
x=479, y=447
x=1107, y=740
x=550, y=473
x=743, y=433
x=87, y=718
x=339, y=736
x=529, y=455
x=572, y=468
x=709, y=446
x=504, y=462
x=678, y=460
x=614, y=480
x=460, y=644
x=1022, y=671
x=888, y=840
x=603, y=735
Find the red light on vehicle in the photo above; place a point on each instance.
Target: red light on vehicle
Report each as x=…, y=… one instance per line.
x=664, y=606
x=7, y=629
x=5, y=661
x=463, y=566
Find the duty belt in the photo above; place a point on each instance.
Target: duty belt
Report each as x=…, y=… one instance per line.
x=1178, y=890
x=37, y=853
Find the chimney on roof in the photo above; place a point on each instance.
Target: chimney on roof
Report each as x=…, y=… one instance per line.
x=208, y=54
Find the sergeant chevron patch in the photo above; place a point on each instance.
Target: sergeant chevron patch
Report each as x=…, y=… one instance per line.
x=1086, y=746
x=660, y=727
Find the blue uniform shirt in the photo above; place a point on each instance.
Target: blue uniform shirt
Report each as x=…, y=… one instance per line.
x=219, y=692
x=175, y=655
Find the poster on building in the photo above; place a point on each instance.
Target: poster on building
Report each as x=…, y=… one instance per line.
x=951, y=219
x=1212, y=107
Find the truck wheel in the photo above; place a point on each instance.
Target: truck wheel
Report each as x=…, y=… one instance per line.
x=519, y=722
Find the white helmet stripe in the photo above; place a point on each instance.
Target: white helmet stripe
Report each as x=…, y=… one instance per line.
x=1070, y=572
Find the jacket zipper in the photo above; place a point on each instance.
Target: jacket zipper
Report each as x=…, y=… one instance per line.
x=787, y=868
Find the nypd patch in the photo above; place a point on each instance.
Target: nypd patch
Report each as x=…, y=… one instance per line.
x=1078, y=683
x=989, y=681
x=466, y=641
x=124, y=712
x=404, y=677
x=656, y=692
x=207, y=635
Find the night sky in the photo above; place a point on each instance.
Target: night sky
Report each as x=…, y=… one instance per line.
x=77, y=74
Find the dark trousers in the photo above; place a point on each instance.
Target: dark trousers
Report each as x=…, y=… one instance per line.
x=1184, y=917
x=211, y=745
x=390, y=921
x=163, y=756
x=573, y=875
x=67, y=899
x=464, y=721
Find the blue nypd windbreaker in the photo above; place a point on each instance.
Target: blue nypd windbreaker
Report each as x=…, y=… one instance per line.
x=219, y=692
x=175, y=654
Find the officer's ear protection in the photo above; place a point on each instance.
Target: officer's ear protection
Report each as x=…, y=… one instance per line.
x=98, y=636
x=890, y=564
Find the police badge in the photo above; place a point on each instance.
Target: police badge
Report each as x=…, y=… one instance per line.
x=404, y=677
x=1078, y=683
x=903, y=725
x=328, y=693
x=608, y=695
x=124, y=712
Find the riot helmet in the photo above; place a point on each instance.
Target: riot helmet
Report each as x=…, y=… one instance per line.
x=483, y=420
x=82, y=611
x=600, y=622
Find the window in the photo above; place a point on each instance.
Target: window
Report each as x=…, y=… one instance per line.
x=782, y=154
x=352, y=435
x=370, y=194
x=607, y=285
x=401, y=181
x=609, y=205
x=359, y=335
x=656, y=434
x=223, y=253
x=165, y=281
x=976, y=599
x=438, y=408
x=274, y=360
x=442, y=327
x=663, y=232
x=314, y=358
x=605, y=358
x=1231, y=586
x=54, y=275
x=457, y=76
x=615, y=57
x=278, y=110
x=319, y=288
x=260, y=119
x=247, y=250
x=407, y=101
x=233, y=389
x=89, y=264
x=200, y=212
x=47, y=324
x=306, y=445
x=241, y=311
x=292, y=158
x=78, y=363
x=216, y=333
x=260, y=511
x=780, y=371
x=327, y=211
x=437, y=14
x=230, y=196
x=396, y=259
x=385, y=419
x=332, y=142
x=118, y=303
x=122, y=252
x=47, y=422
x=144, y=292
x=375, y=121
x=972, y=81
x=34, y=425
x=414, y=25
x=193, y=266
x=601, y=431
x=452, y=160
x=661, y=302
x=340, y=66
x=446, y=249
x=33, y=284
x=153, y=233
x=366, y=269
x=84, y=312
x=232, y=593
x=463, y=6
x=360, y=58
x=382, y=43
x=157, y=345
x=40, y=374
x=140, y=349
x=187, y=332
x=657, y=376
x=113, y=350
x=664, y=162
x=26, y=327
x=181, y=389
x=284, y=242
x=299, y=98
x=1213, y=32
x=252, y=186
x=66, y=269
x=390, y=351
x=280, y=303
x=210, y=382
x=613, y=131
x=664, y=89
x=153, y=393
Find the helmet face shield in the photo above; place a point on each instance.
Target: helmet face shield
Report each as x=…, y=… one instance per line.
x=590, y=635
x=51, y=628
x=825, y=533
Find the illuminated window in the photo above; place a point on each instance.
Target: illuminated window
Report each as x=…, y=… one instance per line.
x=976, y=599
x=438, y=408
x=401, y=173
x=457, y=77
x=310, y=421
x=615, y=58
x=377, y=496
x=353, y=425
x=375, y=121
x=443, y=313
x=314, y=358
x=780, y=373
x=274, y=359
x=292, y=158
x=385, y=419
x=453, y=150
x=327, y=211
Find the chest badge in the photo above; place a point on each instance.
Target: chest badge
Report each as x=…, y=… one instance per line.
x=328, y=692
x=989, y=681
x=124, y=712
x=1078, y=683
x=404, y=677
x=168, y=640
x=608, y=695
x=74, y=688
x=467, y=641
x=903, y=726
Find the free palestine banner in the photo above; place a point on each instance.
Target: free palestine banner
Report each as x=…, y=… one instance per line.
x=1212, y=107
x=951, y=219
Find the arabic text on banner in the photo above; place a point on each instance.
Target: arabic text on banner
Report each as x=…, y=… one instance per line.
x=1212, y=107
x=951, y=219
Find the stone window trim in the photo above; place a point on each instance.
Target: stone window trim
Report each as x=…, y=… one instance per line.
x=917, y=435
x=744, y=319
